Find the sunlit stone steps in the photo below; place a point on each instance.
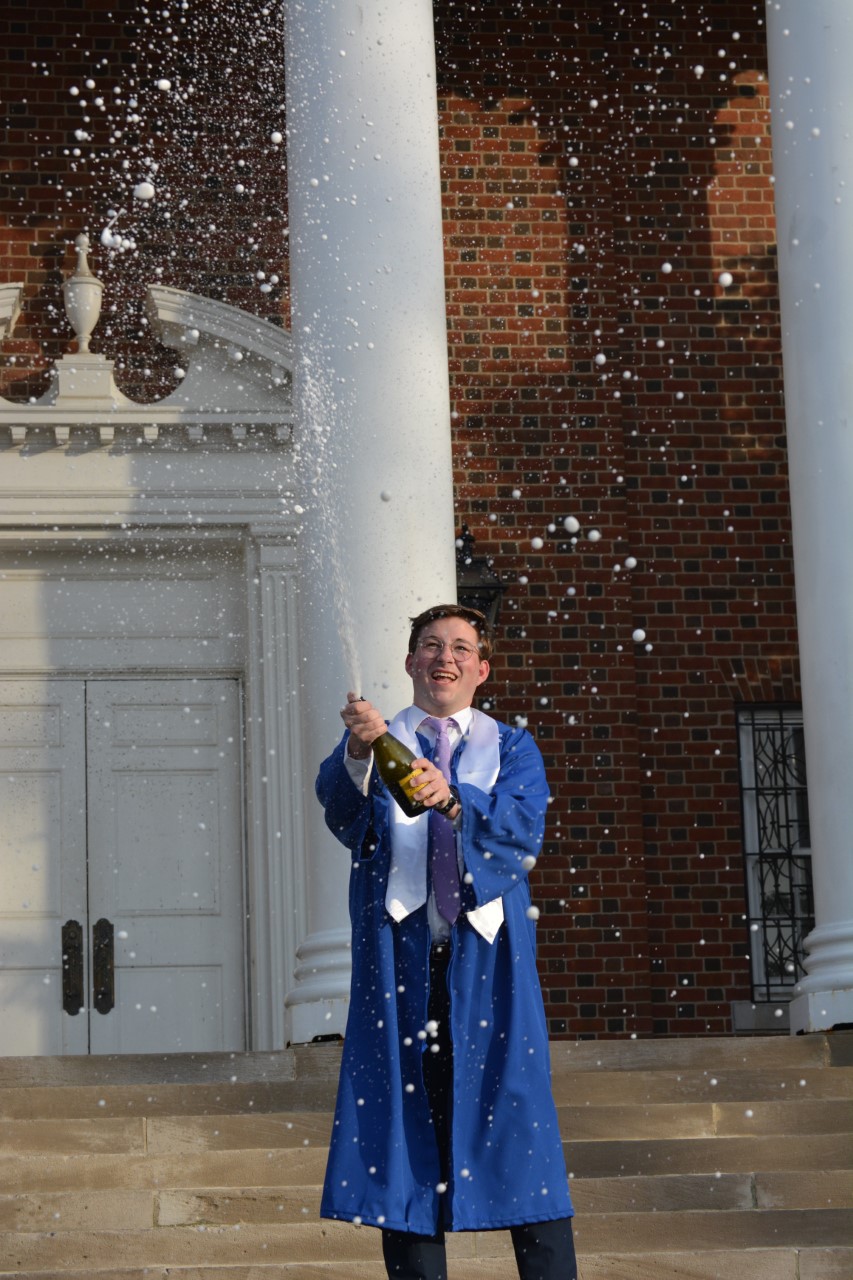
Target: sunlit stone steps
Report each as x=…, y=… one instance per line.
x=133, y=1171
x=267, y=1244
x=211, y=1249
x=752, y=1264
x=132, y=1208
x=711, y=1054
x=690, y=1159
x=708, y=1155
x=597, y=1088
x=703, y=1120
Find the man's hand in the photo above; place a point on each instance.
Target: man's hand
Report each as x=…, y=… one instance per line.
x=365, y=725
x=432, y=785
x=433, y=788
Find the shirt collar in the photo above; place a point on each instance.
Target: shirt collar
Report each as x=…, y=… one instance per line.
x=463, y=718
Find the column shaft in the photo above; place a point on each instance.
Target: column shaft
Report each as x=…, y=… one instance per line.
x=371, y=398
x=810, y=50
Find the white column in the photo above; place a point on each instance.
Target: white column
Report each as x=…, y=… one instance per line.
x=811, y=92
x=371, y=398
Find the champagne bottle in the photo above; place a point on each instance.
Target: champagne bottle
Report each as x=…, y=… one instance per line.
x=393, y=759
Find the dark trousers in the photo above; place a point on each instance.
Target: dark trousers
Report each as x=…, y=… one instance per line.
x=543, y=1250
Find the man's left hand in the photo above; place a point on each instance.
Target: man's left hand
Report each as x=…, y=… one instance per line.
x=433, y=788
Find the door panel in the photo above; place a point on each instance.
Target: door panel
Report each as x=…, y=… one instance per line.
x=166, y=840
x=166, y=862
x=149, y=995
x=121, y=802
x=42, y=861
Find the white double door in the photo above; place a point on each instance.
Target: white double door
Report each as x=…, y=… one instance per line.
x=121, y=867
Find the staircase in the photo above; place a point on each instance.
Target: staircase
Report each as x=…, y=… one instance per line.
x=690, y=1159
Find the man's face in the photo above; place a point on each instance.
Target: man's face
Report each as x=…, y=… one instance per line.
x=446, y=666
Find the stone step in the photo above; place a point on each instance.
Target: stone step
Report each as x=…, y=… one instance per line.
x=221, y=1206
x=131, y=1210
x=102, y=1171
x=95, y=1102
x=303, y=1165
x=318, y=1063
x=576, y=1088
x=824, y=1189
x=161, y=1134
x=704, y=1053
x=73, y=1137
x=708, y=1155
x=165, y=1134
x=829, y=1189
x=705, y=1119
x=586, y=1088
x=752, y=1264
x=700, y=1230
x=102, y=1210
x=698, y=1159
x=274, y=1244
x=821, y=1190
x=314, y=1061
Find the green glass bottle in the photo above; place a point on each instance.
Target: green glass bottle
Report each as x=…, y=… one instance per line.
x=394, y=761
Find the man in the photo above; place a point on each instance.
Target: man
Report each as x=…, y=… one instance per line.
x=445, y=1118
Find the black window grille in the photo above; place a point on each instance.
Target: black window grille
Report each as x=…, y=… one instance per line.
x=776, y=845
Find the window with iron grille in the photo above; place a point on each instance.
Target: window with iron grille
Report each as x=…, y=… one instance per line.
x=776, y=845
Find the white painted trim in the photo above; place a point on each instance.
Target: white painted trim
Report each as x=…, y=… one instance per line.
x=238, y=373
x=10, y=307
x=274, y=796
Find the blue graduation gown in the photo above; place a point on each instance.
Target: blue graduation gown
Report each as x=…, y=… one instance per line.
x=506, y=1153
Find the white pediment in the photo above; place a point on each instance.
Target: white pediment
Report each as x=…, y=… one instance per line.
x=85, y=452
x=235, y=373
x=233, y=361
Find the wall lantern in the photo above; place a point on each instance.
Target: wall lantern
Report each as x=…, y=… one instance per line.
x=477, y=584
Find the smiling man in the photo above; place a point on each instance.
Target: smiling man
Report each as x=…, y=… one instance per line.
x=445, y=1119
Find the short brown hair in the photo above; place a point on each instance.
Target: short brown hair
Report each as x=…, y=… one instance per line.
x=478, y=621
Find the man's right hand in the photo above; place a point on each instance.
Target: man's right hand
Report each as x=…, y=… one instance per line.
x=365, y=725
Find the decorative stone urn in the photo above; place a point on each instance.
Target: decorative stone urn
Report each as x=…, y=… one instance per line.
x=82, y=293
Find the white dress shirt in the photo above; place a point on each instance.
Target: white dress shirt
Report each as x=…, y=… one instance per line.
x=359, y=771
x=479, y=764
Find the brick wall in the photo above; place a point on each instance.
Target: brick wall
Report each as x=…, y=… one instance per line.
x=603, y=166
x=90, y=119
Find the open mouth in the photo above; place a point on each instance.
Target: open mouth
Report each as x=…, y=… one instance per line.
x=443, y=677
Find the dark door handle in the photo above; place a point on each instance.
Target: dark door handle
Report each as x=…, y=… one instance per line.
x=103, y=966
x=72, y=967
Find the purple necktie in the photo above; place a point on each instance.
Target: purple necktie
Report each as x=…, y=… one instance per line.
x=444, y=868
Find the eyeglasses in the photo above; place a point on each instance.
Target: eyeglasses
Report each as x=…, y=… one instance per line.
x=459, y=650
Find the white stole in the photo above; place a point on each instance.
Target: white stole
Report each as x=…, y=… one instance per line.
x=479, y=764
